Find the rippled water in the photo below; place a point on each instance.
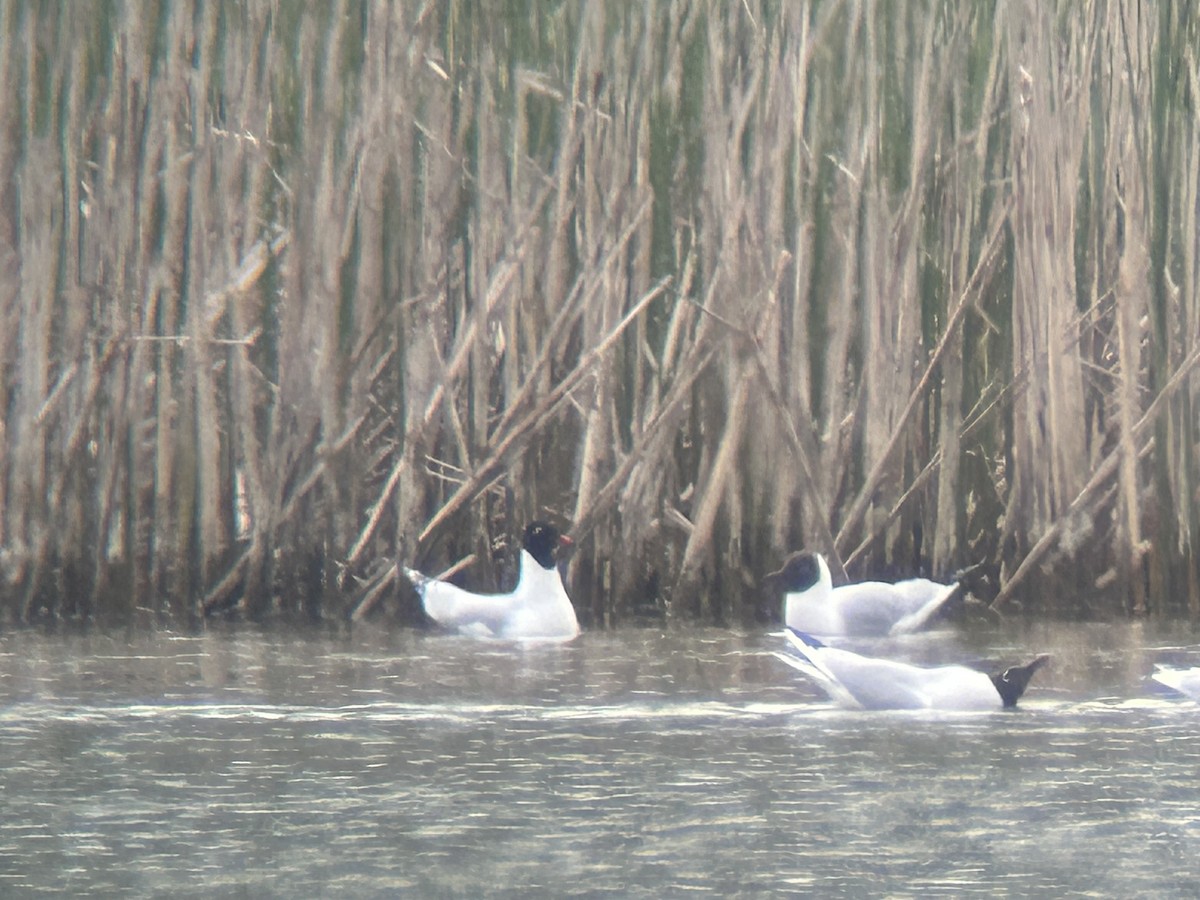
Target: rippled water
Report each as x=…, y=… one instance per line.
x=626, y=763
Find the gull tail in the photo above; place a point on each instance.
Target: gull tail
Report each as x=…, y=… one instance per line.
x=1011, y=683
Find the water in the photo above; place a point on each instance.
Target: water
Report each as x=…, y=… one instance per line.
x=633, y=763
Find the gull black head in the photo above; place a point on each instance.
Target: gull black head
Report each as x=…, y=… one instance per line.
x=799, y=572
x=542, y=540
x=1011, y=683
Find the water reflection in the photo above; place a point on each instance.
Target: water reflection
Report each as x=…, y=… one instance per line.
x=627, y=763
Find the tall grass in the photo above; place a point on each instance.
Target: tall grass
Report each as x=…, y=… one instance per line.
x=292, y=293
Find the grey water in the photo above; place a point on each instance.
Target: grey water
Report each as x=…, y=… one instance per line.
x=630, y=763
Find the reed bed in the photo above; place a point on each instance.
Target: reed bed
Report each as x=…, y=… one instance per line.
x=292, y=293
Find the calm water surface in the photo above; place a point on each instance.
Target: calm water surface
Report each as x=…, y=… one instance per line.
x=628, y=763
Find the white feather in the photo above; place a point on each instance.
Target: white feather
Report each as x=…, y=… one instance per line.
x=1185, y=681
x=863, y=682
x=538, y=608
x=868, y=608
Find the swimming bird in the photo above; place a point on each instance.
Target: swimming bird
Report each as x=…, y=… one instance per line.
x=866, y=609
x=1185, y=681
x=863, y=682
x=537, y=608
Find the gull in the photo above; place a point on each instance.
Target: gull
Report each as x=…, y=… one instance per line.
x=865, y=609
x=864, y=682
x=538, y=608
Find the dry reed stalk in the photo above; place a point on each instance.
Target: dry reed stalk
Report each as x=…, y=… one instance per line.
x=632, y=495
x=67, y=511
x=218, y=595
x=1048, y=421
x=458, y=214
x=35, y=239
x=1181, y=174
x=966, y=199
x=498, y=291
x=174, y=444
x=10, y=58
x=890, y=311
x=947, y=529
x=616, y=490
x=976, y=283
x=1086, y=498
x=1190, y=302
x=802, y=456
x=583, y=294
x=140, y=280
x=374, y=591
x=1132, y=278
x=985, y=409
x=715, y=485
x=600, y=440
x=521, y=432
x=599, y=429
x=208, y=427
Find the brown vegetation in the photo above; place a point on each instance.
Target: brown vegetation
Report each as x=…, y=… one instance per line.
x=290, y=293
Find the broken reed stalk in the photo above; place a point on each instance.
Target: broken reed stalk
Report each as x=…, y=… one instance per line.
x=969, y=425
x=1102, y=473
x=807, y=482
x=715, y=484
x=218, y=595
x=583, y=293
x=537, y=419
x=497, y=290
x=975, y=284
x=665, y=419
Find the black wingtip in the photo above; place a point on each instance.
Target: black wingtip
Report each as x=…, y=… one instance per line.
x=805, y=638
x=1012, y=682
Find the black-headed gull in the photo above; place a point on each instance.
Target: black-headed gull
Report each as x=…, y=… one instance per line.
x=866, y=609
x=863, y=682
x=1185, y=681
x=538, y=608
